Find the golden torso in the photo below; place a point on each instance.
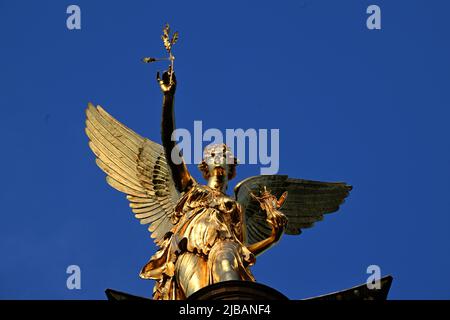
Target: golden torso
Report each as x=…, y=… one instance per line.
x=206, y=216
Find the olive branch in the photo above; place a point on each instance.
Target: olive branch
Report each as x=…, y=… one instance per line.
x=168, y=41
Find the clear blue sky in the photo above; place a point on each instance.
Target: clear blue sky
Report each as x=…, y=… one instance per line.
x=367, y=107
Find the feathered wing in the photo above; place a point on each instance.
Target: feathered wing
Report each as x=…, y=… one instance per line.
x=135, y=166
x=306, y=203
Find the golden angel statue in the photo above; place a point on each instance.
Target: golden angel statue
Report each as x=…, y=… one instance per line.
x=203, y=235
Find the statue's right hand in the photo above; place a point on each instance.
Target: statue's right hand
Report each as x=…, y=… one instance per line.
x=168, y=82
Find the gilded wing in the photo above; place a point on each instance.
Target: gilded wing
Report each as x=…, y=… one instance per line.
x=306, y=203
x=135, y=166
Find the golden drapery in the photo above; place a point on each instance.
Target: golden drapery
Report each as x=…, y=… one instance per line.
x=205, y=246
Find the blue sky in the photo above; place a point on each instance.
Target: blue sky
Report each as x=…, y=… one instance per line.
x=369, y=107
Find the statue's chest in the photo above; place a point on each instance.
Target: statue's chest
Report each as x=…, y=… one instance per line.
x=205, y=197
x=206, y=214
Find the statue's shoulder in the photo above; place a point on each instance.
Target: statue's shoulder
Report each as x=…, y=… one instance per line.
x=193, y=191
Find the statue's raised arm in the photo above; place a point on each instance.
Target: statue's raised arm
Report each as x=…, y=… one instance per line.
x=180, y=174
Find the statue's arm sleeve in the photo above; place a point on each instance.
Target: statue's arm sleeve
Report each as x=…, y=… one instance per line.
x=180, y=174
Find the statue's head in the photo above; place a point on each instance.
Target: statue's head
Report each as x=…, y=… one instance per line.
x=218, y=161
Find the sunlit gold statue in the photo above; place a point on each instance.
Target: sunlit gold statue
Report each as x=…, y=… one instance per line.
x=203, y=235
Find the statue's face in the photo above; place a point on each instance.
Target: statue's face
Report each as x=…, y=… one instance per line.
x=218, y=156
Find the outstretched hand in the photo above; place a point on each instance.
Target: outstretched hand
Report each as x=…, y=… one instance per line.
x=278, y=221
x=168, y=82
x=275, y=218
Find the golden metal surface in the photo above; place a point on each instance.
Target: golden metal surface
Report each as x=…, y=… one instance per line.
x=203, y=235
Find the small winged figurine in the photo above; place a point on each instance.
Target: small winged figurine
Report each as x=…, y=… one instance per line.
x=203, y=235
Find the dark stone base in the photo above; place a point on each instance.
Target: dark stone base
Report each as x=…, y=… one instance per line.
x=237, y=290
x=360, y=292
x=247, y=290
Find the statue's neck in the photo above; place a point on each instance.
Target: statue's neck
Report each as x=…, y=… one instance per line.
x=218, y=182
